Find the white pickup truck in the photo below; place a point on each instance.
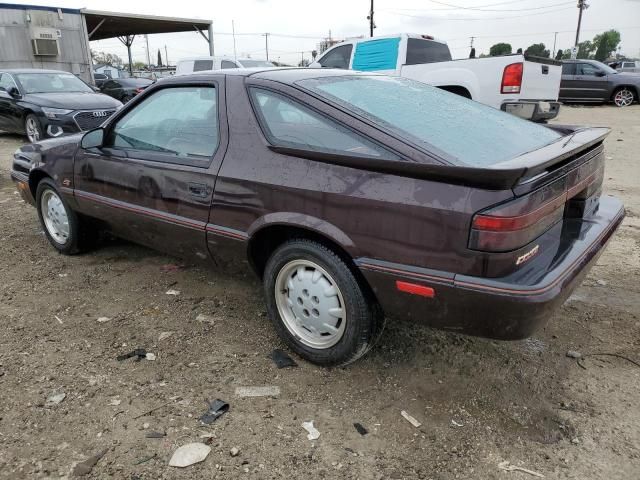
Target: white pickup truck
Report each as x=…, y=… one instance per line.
x=522, y=85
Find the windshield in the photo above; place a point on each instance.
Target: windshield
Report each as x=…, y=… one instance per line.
x=256, y=63
x=467, y=131
x=51, y=83
x=605, y=67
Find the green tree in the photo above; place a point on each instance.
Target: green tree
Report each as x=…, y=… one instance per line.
x=106, y=58
x=585, y=49
x=537, y=50
x=159, y=59
x=500, y=49
x=559, y=55
x=605, y=44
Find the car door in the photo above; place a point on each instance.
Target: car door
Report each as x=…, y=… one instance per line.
x=152, y=181
x=10, y=113
x=591, y=81
x=569, y=88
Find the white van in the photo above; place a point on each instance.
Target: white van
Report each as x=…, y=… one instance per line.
x=200, y=64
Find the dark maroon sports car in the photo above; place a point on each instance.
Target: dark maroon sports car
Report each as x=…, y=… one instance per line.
x=354, y=197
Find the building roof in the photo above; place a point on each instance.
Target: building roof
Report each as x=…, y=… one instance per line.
x=102, y=25
x=13, y=6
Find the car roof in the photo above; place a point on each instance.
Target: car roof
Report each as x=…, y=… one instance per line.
x=287, y=75
x=31, y=70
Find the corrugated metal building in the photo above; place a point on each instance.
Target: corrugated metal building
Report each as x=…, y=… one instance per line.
x=44, y=37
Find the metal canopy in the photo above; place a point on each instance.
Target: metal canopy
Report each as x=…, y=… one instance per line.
x=102, y=25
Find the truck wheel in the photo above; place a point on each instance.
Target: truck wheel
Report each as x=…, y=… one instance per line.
x=32, y=128
x=62, y=226
x=623, y=97
x=318, y=306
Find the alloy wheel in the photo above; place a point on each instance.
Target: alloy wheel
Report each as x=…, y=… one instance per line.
x=623, y=98
x=54, y=214
x=310, y=304
x=33, y=130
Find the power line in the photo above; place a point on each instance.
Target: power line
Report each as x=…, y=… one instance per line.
x=480, y=9
x=483, y=18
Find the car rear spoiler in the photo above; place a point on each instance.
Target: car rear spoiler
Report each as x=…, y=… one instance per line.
x=504, y=175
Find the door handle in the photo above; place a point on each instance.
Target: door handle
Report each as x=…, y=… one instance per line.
x=197, y=189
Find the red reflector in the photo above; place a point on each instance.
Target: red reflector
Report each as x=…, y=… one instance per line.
x=415, y=289
x=512, y=78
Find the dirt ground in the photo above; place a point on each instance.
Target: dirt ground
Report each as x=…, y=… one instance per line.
x=480, y=402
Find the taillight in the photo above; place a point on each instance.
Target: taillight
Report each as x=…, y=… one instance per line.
x=512, y=78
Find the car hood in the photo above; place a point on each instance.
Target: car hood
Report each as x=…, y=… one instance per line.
x=72, y=101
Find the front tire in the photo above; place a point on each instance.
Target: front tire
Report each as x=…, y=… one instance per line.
x=623, y=97
x=33, y=129
x=318, y=306
x=60, y=223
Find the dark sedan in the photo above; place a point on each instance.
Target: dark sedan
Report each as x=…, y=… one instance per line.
x=124, y=89
x=352, y=196
x=50, y=103
x=593, y=81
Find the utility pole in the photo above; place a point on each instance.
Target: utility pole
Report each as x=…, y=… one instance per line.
x=555, y=37
x=146, y=38
x=266, y=45
x=233, y=31
x=370, y=18
x=166, y=56
x=582, y=5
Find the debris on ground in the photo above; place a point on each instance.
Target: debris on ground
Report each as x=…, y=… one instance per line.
x=145, y=459
x=189, y=454
x=507, y=467
x=602, y=283
x=282, y=359
x=103, y=319
x=138, y=353
x=155, y=408
x=153, y=434
x=410, y=419
x=58, y=319
x=150, y=356
x=115, y=402
x=55, y=399
x=173, y=292
x=313, y=432
x=234, y=452
x=205, y=318
x=360, y=428
x=171, y=268
x=257, y=391
x=216, y=409
x=456, y=424
x=84, y=468
x=574, y=354
x=164, y=335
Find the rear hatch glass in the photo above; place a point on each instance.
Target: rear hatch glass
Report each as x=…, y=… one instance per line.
x=459, y=130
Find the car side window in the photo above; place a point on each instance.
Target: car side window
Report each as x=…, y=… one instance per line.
x=109, y=84
x=568, y=69
x=6, y=82
x=587, y=69
x=224, y=64
x=180, y=123
x=202, y=65
x=288, y=123
x=339, y=57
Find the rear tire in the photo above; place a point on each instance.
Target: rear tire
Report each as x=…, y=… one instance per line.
x=318, y=306
x=65, y=230
x=623, y=97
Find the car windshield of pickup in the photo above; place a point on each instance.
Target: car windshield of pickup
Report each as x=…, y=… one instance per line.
x=471, y=133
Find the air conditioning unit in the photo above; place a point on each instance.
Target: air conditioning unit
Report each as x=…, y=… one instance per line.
x=44, y=41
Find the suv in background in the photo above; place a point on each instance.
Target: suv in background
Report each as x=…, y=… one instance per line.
x=593, y=81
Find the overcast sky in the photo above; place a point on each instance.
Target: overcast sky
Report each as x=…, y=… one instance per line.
x=297, y=25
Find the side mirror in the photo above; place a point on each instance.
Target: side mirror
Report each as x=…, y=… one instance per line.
x=14, y=92
x=600, y=73
x=93, y=139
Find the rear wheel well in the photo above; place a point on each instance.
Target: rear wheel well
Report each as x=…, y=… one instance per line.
x=264, y=242
x=457, y=89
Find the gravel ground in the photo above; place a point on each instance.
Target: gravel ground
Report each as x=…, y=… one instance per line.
x=480, y=402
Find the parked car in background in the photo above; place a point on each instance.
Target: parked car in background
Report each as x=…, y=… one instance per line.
x=593, y=81
x=99, y=79
x=50, y=103
x=200, y=64
x=124, y=89
x=519, y=84
x=631, y=66
x=351, y=195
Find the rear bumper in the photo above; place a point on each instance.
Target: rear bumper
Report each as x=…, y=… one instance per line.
x=508, y=308
x=532, y=110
